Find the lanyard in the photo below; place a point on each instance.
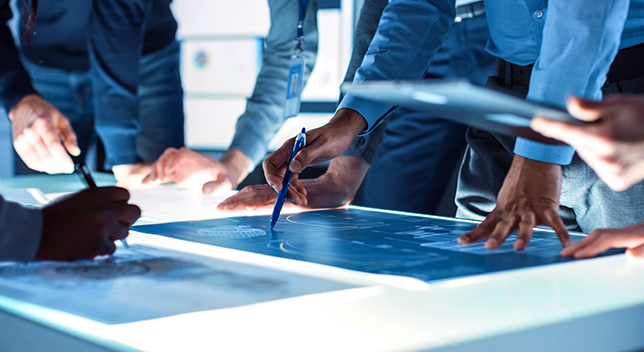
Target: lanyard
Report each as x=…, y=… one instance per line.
x=302, y=5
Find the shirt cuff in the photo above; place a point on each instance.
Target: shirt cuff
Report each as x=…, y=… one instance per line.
x=553, y=154
x=21, y=231
x=373, y=112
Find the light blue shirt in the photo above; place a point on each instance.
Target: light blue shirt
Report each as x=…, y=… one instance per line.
x=571, y=42
x=264, y=114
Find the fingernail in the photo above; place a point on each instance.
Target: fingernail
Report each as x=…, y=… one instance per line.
x=519, y=244
x=75, y=151
x=491, y=243
x=230, y=206
x=207, y=189
x=295, y=165
x=272, y=186
x=463, y=239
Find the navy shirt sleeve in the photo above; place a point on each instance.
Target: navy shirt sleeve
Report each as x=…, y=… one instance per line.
x=115, y=43
x=15, y=83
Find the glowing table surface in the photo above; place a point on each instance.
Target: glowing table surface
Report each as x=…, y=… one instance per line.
x=590, y=305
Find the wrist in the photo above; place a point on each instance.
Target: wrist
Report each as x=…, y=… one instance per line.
x=24, y=102
x=350, y=119
x=238, y=165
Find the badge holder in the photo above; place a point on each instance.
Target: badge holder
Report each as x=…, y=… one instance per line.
x=294, y=86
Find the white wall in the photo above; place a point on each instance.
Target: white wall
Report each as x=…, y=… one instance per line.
x=229, y=34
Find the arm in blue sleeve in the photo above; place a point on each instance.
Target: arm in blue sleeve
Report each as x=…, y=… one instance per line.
x=264, y=114
x=115, y=44
x=580, y=41
x=20, y=231
x=409, y=34
x=15, y=83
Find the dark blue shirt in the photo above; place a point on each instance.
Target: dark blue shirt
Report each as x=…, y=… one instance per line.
x=106, y=37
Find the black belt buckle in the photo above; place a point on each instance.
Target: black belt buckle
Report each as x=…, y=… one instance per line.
x=470, y=10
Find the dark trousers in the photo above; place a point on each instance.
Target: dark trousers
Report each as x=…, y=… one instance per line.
x=419, y=153
x=586, y=203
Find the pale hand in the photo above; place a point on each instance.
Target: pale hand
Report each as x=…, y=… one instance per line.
x=131, y=175
x=38, y=129
x=193, y=169
x=529, y=197
x=613, y=145
x=631, y=237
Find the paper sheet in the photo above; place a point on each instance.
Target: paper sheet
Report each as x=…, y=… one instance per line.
x=28, y=197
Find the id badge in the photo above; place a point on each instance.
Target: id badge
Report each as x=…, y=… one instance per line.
x=294, y=87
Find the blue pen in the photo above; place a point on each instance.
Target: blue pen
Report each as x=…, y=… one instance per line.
x=300, y=142
x=86, y=176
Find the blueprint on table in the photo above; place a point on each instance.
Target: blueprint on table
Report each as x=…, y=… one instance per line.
x=142, y=283
x=368, y=240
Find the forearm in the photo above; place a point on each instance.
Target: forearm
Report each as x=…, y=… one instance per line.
x=20, y=231
x=408, y=36
x=264, y=114
x=580, y=40
x=15, y=83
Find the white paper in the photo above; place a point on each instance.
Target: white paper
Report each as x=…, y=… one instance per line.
x=29, y=197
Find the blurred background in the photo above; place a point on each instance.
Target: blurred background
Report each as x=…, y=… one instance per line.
x=222, y=44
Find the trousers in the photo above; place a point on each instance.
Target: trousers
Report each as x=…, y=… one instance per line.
x=419, y=152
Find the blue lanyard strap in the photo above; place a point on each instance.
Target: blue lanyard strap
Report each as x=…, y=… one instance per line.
x=303, y=4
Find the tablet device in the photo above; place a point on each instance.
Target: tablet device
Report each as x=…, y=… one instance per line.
x=463, y=102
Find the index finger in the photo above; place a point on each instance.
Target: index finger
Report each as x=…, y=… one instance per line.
x=115, y=194
x=275, y=165
x=56, y=149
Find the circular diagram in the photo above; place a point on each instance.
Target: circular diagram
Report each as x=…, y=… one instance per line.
x=232, y=231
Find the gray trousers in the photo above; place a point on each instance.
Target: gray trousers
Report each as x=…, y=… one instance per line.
x=586, y=203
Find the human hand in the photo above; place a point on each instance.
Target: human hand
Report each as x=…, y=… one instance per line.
x=86, y=224
x=613, y=146
x=322, y=144
x=38, y=129
x=631, y=237
x=192, y=168
x=335, y=188
x=131, y=175
x=529, y=197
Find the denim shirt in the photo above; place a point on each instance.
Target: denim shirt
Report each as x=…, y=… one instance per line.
x=264, y=113
x=571, y=42
x=115, y=33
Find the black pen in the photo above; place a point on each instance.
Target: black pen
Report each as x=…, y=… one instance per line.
x=86, y=176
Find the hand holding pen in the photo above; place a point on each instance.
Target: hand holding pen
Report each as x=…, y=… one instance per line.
x=85, y=175
x=300, y=142
x=86, y=224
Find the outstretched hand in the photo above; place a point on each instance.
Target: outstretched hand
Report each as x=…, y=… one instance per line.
x=631, y=237
x=529, y=197
x=335, y=188
x=192, y=168
x=86, y=224
x=322, y=144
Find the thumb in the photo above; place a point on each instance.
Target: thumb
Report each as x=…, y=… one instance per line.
x=216, y=185
x=637, y=252
x=585, y=110
x=68, y=137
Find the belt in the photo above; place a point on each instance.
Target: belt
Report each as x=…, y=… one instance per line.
x=471, y=10
x=626, y=65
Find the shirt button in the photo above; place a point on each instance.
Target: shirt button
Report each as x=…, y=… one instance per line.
x=538, y=13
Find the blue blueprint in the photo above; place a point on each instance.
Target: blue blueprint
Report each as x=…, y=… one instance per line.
x=368, y=240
